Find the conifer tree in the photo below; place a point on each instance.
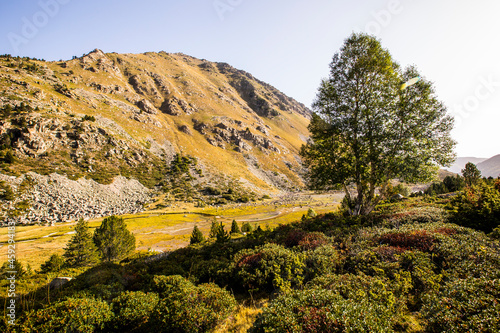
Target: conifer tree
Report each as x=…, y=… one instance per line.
x=222, y=235
x=54, y=264
x=113, y=240
x=214, y=227
x=234, y=228
x=81, y=250
x=196, y=236
x=246, y=227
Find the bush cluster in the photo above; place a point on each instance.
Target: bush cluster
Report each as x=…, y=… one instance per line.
x=404, y=268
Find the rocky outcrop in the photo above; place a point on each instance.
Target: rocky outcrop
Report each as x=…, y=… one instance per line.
x=58, y=282
x=96, y=61
x=146, y=106
x=233, y=132
x=176, y=106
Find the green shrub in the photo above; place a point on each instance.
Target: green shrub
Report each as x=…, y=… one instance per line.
x=464, y=305
x=311, y=213
x=320, y=310
x=269, y=267
x=132, y=309
x=322, y=260
x=304, y=240
x=477, y=207
x=71, y=315
x=426, y=214
x=184, y=307
x=417, y=239
x=89, y=118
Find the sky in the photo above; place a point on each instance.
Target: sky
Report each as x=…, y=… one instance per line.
x=287, y=43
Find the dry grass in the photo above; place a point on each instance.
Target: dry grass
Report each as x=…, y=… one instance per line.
x=242, y=319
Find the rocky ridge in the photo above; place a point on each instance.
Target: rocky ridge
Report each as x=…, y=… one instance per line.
x=101, y=115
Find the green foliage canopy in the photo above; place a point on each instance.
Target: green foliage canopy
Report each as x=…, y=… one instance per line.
x=471, y=174
x=367, y=130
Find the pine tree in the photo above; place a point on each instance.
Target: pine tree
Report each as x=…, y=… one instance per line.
x=54, y=264
x=113, y=240
x=222, y=235
x=214, y=228
x=311, y=213
x=197, y=236
x=81, y=250
x=234, y=228
x=13, y=265
x=246, y=227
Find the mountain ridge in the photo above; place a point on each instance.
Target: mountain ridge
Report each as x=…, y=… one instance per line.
x=489, y=167
x=107, y=114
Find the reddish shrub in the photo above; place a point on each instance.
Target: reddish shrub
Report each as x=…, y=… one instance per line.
x=293, y=238
x=251, y=260
x=306, y=240
x=388, y=253
x=418, y=239
x=315, y=320
x=445, y=231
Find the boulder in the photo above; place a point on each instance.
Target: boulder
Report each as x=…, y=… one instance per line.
x=58, y=282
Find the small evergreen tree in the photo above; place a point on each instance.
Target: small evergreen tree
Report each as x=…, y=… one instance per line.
x=197, y=236
x=9, y=157
x=214, y=228
x=471, y=174
x=113, y=240
x=7, y=194
x=81, y=250
x=454, y=184
x=246, y=227
x=54, y=264
x=234, y=228
x=222, y=235
x=13, y=266
x=311, y=213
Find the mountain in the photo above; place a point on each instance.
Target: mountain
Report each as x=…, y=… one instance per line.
x=490, y=167
x=462, y=161
x=189, y=128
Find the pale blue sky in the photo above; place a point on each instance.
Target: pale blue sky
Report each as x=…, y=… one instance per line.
x=287, y=43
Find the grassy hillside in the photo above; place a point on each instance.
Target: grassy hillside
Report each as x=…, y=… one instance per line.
x=106, y=114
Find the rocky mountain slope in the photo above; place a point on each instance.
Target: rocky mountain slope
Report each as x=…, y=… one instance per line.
x=102, y=116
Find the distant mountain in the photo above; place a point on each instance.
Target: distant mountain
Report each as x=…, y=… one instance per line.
x=462, y=161
x=490, y=167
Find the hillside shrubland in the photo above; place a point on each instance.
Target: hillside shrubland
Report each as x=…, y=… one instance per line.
x=407, y=267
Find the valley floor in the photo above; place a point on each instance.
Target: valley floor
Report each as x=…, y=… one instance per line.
x=167, y=229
